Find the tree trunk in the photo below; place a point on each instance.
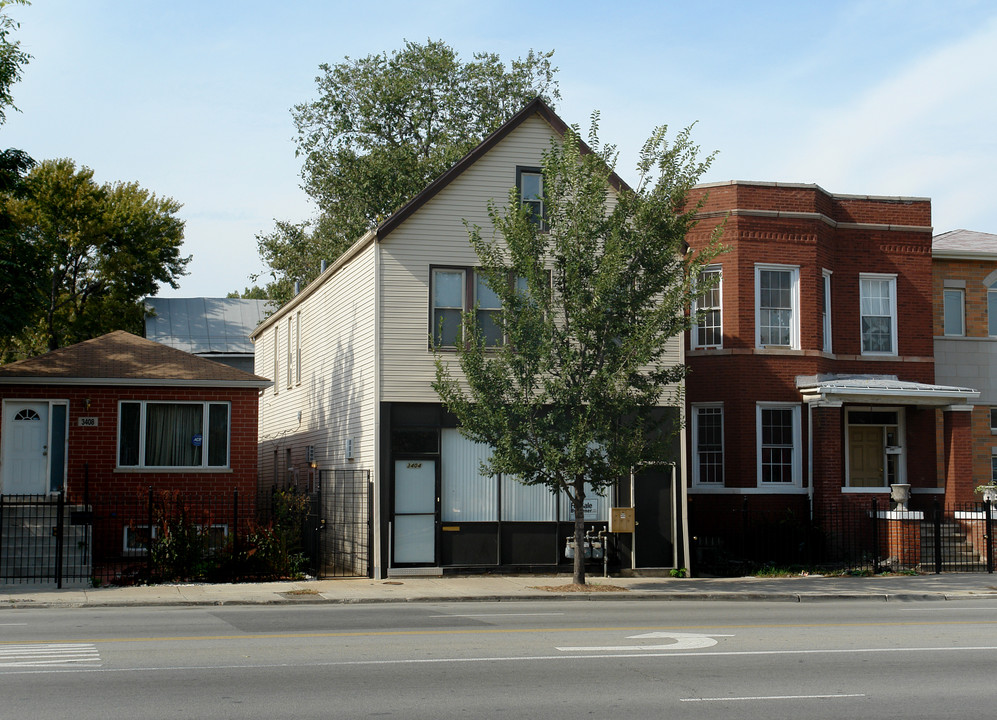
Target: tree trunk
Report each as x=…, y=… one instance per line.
x=578, y=503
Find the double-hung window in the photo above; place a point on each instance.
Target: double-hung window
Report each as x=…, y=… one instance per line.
x=777, y=306
x=488, y=306
x=173, y=434
x=707, y=332
x=825, y=310
x=447, y=293
x=708, y=438
x=530, y=184
x=779, y=445
x=297, y=347
x=992, y=311
x=954, y=316
x=878, y=307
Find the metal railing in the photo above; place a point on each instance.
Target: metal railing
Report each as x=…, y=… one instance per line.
x=857, y=537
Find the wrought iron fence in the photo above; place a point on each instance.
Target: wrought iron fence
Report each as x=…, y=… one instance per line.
x=857, y=537
x=152, y=536
x=344, y=519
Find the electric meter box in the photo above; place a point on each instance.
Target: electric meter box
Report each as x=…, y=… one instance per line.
x=621, y=520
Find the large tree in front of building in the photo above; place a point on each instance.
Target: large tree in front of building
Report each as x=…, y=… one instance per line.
x=593, y=288
x=19, y=265
x=102, y=247
x=381, y=129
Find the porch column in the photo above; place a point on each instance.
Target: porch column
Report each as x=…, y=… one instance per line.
x=827, y=455
x=958, y=442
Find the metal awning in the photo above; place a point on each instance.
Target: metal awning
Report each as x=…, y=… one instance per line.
x=881, y=390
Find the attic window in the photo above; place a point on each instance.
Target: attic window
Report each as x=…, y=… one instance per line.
x=530, y=184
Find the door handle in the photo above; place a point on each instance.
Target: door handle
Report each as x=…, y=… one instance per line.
x=44, y=450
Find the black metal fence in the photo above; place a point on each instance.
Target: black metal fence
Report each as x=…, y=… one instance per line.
x=344, y=517
x=153, y=536
x=863, y=538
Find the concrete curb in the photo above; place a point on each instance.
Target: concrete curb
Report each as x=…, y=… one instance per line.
x=30, y=603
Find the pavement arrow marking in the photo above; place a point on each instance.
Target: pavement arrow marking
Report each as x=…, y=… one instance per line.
x=682, y=641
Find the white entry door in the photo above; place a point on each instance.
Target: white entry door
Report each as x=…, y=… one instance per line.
x=25, y=448
x=415, y=512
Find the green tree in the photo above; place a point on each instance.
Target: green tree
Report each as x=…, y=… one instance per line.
x=250, y=293
x=19, y=264
x=382, y=128
x=102, y=248
x=573, y=396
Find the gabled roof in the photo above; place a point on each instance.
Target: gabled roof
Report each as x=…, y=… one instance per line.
x=964, y=244
x=206, y=325
x=120, y=358
x=535, y=107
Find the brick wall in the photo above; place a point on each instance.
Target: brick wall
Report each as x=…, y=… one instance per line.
x=93, y=450
x=848, y=236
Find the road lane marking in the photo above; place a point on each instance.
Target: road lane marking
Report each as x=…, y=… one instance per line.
x=683, y=641
x=516, y=659
x=50, y=654
x=550, y=614
x=774, y=697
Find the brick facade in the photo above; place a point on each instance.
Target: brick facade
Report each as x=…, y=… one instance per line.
x=805, y=228
x=92, y=451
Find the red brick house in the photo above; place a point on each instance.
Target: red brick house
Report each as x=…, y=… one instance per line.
x=120, y=414
x=812, y=376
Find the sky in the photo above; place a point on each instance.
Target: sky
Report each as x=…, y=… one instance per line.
x=192, y=98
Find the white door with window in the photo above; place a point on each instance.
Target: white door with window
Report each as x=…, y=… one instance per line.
x=415, y=512
x=25, y=448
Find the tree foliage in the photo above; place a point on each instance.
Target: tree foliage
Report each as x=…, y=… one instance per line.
x=101, y=248
x=19, y=264
x=381, y=129
x=572, y=399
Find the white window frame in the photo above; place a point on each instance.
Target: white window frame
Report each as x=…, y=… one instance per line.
x=276, y=359
x=297, y=348
x=796, y=466
x=696, y=475
x=954, y=294
x=891, y=280
x=794, y=322
x=696, y=307
x=205, y=439
x=290, y=357
x=825, y=279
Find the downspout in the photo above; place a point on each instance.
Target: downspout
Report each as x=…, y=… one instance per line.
x=380, y=572
x=681, y=477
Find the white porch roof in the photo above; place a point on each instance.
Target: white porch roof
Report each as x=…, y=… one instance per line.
x=881, y=390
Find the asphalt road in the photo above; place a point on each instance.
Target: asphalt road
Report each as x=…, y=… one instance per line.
x=504, y=660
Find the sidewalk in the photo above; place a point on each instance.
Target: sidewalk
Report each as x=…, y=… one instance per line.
x=950, y=586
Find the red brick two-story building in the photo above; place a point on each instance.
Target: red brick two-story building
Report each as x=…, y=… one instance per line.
x=812, y=381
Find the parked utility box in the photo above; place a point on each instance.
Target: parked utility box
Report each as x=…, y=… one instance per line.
x=621, y=520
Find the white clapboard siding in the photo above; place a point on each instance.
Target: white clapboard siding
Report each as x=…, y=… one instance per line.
x=336, y=393
x=435, y=235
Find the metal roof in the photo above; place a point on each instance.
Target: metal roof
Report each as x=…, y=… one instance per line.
x=206, y=325
x=880, y=389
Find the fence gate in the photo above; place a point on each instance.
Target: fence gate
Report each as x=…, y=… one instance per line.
x=44, y=539
x=345, y=516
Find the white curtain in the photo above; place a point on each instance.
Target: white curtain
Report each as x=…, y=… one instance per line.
x=467, y=495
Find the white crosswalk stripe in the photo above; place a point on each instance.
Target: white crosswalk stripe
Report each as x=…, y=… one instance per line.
x=48, y=655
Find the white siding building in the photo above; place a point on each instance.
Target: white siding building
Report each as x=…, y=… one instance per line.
x=352, y=366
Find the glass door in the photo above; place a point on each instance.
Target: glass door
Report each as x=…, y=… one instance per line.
x=415, y=512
